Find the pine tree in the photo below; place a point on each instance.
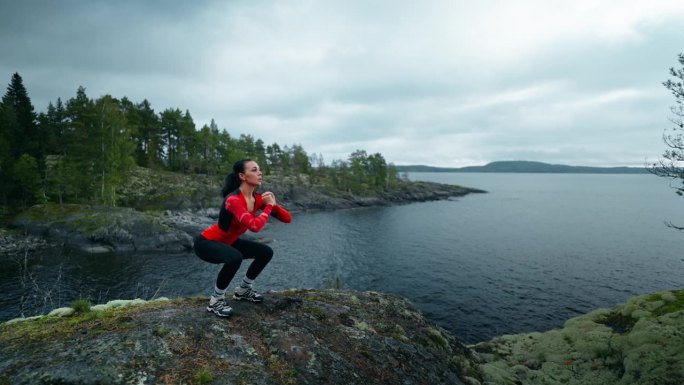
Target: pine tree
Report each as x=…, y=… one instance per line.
x=188, y=145
x=171, y=121
x=18, y=136
x=27, y=177
x=150, y=149
x=83, y=147
x=20, y=120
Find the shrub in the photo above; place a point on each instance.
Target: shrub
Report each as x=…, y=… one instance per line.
x=81, y=305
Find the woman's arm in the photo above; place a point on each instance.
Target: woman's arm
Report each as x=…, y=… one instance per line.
x=236, y=205
x=278, y=211
x=282, y=214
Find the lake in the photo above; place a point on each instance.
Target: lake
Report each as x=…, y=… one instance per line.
x=535, y=250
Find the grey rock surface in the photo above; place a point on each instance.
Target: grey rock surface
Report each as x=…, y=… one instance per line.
x=294, y=337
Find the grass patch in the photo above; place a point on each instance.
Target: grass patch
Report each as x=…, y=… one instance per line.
x=160, y=331
x=316, y=312
x=436, y=339
x=81, y=306
x=335, y=283
x=58, y=327
x=204, y=376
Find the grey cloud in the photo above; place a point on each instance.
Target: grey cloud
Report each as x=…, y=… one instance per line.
x=415, y=82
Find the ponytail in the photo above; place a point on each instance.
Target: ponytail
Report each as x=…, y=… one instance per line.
x=232, y=181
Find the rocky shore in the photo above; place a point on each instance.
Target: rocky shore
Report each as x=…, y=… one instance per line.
x=331, y=336
x=171, y=226
x=14, y=242
x=640, y=342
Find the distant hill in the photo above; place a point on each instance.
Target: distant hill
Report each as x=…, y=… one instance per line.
x=527, y=166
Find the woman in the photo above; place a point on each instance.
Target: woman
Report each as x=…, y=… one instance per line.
x=220, y=243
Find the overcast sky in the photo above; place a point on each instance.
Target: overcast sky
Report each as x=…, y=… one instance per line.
x=443, y=83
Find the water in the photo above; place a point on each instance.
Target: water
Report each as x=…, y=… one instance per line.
x=536, y=250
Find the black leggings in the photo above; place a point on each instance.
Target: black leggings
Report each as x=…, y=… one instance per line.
x=232, y=256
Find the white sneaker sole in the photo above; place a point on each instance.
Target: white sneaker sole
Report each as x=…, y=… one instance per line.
x=210, y=310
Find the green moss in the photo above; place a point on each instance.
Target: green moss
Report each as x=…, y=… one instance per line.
x=435, y=339
x=278, y=366
x=204, y=376
x=671, y=306
x=316, y=312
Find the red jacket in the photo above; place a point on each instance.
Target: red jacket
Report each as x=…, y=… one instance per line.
x=235, y=219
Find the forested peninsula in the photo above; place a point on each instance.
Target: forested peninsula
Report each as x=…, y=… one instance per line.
x=109, y=174
x=84, y=150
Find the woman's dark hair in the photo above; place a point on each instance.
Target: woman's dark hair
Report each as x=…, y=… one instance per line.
x=233, y=181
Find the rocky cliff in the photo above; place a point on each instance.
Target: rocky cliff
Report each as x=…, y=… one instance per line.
x=336, y=337
x=294, y=337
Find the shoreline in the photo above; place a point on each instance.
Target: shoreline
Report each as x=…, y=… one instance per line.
x=106, y=229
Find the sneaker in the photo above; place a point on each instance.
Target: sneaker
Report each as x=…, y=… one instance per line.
x=247, y=294
x=219, y=307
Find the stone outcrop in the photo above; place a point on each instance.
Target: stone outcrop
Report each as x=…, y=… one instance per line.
x=331, y=336
x=294, y=337
x=98, y=229
x=14, y=243
x=640, y=342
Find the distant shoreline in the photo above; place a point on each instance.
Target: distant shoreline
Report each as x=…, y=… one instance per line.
x=526, y=167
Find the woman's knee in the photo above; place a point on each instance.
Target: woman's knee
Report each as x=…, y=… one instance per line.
x=266, y=254
x=233, y=258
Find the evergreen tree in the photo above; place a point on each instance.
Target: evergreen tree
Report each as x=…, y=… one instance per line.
x=53, y=126
x=148, y=137
x=208, y=147
x=6, y=161
x=300, y=160
x=18, y=136
x=28, y=181
x=260, y=155
x=378, y=171
x=392, y=177
x=227, y=152
x=117, y=149
x=671, y=164
x=188, y=145
x=171, y=121
x=358, y=164
x=83, y=147
x=20, y=121
x=273, y=157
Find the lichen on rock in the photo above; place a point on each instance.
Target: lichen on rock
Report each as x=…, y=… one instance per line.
x=638, y=342
x=294, y=337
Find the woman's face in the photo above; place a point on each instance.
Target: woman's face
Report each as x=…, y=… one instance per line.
x=252, y=174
